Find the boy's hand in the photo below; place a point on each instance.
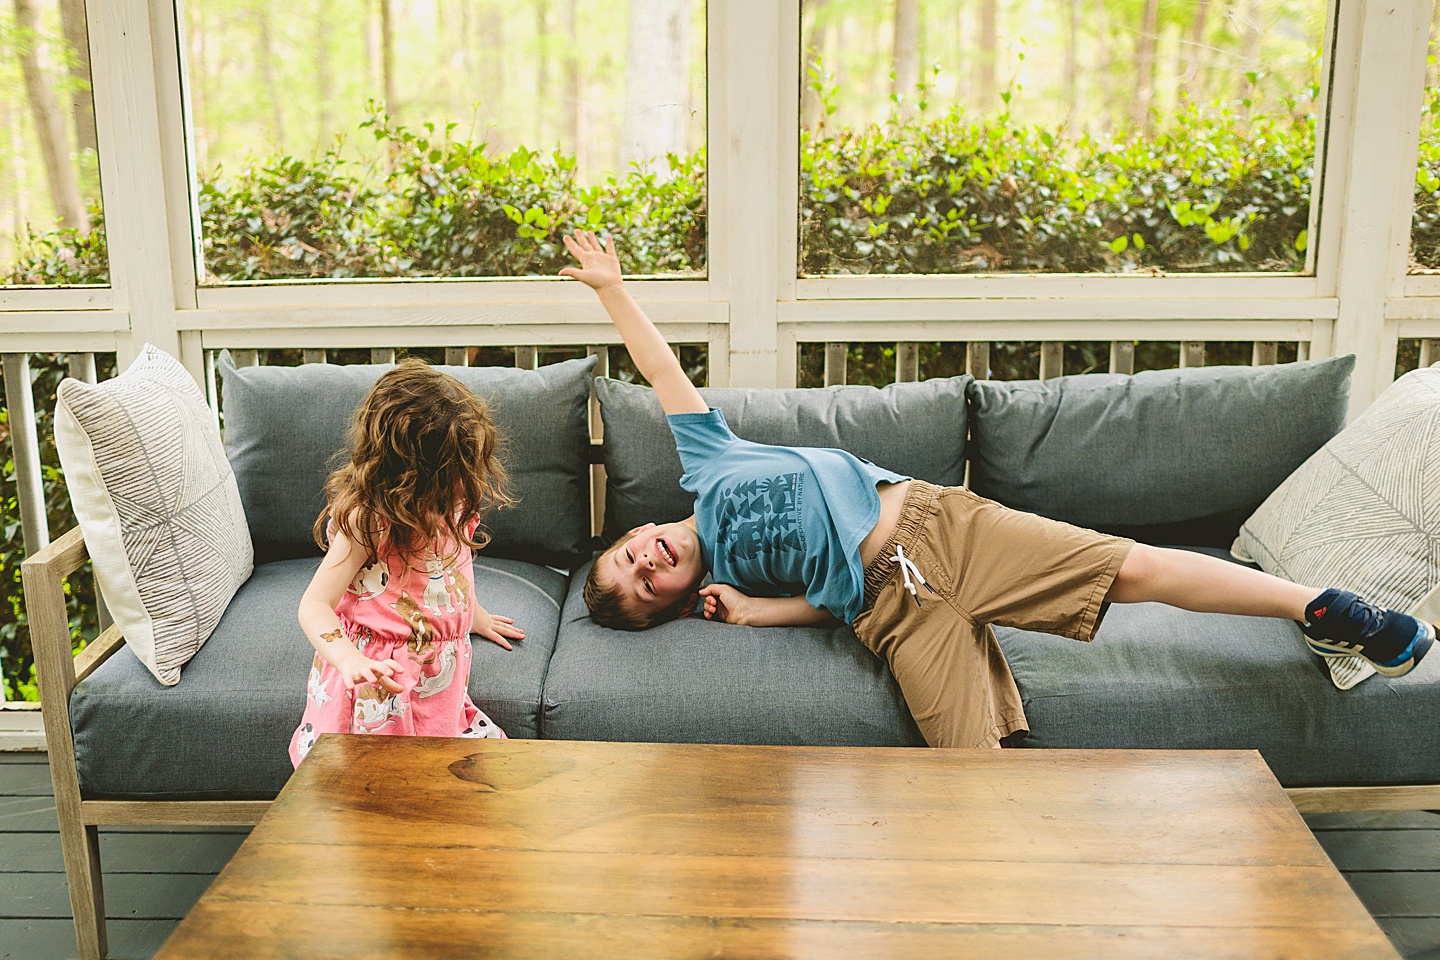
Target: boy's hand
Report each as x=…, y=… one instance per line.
x=361, y=669
x=726, y=604
x=494, y=628
x=599, y=267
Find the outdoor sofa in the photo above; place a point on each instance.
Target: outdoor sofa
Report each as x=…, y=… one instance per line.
x=1176, y=457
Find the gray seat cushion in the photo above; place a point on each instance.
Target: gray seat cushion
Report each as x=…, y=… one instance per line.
x=1158, y=677
x=284, y=426
x=1167, y=456
x=917, y=429
x=223, y=731
x=693, y=681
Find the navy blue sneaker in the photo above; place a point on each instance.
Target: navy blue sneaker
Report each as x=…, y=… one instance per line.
x=1339, y=624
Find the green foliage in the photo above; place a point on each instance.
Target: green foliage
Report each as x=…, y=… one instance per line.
x=63, y=256
x=1425, y=225
x=18, y=675
x=1214, y=191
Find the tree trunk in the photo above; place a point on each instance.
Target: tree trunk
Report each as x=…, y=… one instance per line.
x=1103, y=67
x=324, y=75
x=49, y=121
x=573, y=130
x=1072, y=63
x=1192, y=82
x=267, y=74
x=542, y=66
x=657, y=81
x=82, y=104
x=812, y=108
x=1145, y=48
x=985, y=73
x=906, y=57
x=387, y=58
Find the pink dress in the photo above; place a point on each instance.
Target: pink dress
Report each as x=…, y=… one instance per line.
x=421, y=619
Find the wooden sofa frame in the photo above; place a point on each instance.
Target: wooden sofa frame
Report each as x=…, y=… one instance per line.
x=58, y=671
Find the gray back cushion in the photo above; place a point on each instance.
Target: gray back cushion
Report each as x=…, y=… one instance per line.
x=1177, y=456
x=284, y=427
x=917, y=429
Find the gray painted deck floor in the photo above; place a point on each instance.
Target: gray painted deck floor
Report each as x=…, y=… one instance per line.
x=154, y=875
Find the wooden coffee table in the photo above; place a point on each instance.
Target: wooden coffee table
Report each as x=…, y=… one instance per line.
x=391, y=847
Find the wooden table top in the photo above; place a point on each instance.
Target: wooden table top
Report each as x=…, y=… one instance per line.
x=400, y=847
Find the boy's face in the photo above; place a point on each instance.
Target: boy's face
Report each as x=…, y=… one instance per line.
x=657, y=566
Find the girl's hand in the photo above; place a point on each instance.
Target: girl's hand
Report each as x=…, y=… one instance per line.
x=495, y=629
x=726, y=604
x=361, y=669
x=599, y=267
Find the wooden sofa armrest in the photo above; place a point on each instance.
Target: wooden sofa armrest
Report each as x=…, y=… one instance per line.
x=57, y=669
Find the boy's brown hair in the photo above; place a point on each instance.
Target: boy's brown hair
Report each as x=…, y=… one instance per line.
x=607, y=609
x=424, y=459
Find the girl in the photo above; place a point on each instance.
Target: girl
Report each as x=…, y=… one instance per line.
x=392, y=605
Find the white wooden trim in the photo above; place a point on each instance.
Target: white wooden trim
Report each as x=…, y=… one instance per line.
x=1319, y=224
x=22, y=730
x=1386, y=105
x=439, y=335
x=1158, y=311
x=64, y=322
x=719, y=178
x=1059, y=286
x=1002, y=330
x=1421, y=285
x=748, y=180
x=788, y=76
x=56, y=298
x=132, y=157
x=436, y=292
x=513, y=314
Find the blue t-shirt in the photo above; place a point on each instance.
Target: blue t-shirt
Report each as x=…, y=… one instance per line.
x=779, y=521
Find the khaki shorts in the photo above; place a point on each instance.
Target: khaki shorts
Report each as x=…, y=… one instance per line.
x=985, y=564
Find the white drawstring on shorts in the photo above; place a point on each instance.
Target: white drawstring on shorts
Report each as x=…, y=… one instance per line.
x=907, y=567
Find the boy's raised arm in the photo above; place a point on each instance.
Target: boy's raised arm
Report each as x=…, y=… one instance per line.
x=600, y=270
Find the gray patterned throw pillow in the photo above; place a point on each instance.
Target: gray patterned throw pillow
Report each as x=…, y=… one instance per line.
x=157, y=504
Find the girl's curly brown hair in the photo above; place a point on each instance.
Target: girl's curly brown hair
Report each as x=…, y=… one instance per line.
x=424, y=458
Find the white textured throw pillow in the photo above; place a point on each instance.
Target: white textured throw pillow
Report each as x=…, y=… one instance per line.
x=157, y=504
x=1363, y=513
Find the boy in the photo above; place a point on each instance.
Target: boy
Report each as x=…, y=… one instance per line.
x=919, y=571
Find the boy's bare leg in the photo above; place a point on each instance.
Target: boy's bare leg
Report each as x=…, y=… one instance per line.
x=1193, y=581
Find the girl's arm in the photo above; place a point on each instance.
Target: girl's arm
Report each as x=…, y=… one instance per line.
x=496, y=629
x=728, y=605
x=600, y=270
x=322, y=627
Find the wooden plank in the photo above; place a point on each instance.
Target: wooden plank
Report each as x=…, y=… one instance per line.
x=1079, y=811
x=1122, y=356
x=245, y=358
x=1429, y=352
x=907, y=361
x=977, y=359
x=457, y=356
x=527, y=357
x=54, y=939
x=837, y=356
x=1052, y=359
x=97, y=652
x=28, y=814
x=387, y=355
x=378, y=933
x=1396, y=894
x=125, y=852
x=1264, y=353
x=313, y=355
x=139, y=896
x=1384, y=850
x=1192, y=353
x=25, y=452
x=1340, y=799
x=1374, y=820
x=1415, y=937
x=25, y=780
x=201, y=812
x=813, y=888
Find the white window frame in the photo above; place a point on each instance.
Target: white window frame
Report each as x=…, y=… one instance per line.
x=751, y=310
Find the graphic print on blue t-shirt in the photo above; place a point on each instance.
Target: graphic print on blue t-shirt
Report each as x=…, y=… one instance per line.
x=762, y=517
